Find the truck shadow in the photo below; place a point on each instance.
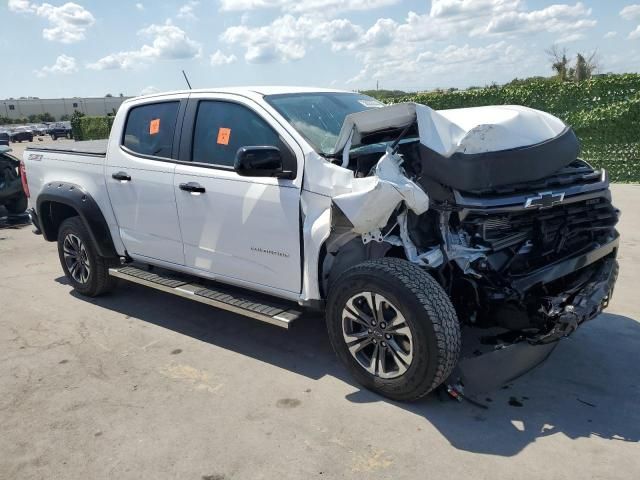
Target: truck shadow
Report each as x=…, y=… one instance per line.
x=13, y=221
x=590, y=386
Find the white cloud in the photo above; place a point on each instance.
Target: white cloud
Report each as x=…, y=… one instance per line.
x=287, y=38
x=631, y=12
x=150, y=90
x=570, y=37
x=610, y=34
x=186, y=10
x=64, y=64
x=20, y=6
x=68, y=22
x=140, y=6
x=465, y=8
x=453, y=58
x=297, y=6
x=169, y=43
x=219, y=58
x=558, y=18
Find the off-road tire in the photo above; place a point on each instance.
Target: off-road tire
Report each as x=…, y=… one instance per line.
x=428, y=312
x=99, y=281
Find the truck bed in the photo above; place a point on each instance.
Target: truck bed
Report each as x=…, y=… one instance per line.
x=89, y=147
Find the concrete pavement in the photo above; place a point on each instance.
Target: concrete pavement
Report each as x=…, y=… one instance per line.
x=139, y=384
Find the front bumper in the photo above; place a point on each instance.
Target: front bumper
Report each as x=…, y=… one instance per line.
x=595, y=273
x=570, y=311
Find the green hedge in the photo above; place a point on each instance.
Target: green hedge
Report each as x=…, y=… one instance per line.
x=603, y=111
x=92, y=128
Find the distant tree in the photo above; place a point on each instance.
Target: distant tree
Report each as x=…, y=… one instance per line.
x=47, y=117
x=75, y=124
x=384, y=94
x=65, y=118
x=108, y=95
x=584, y=68
x=559, y=62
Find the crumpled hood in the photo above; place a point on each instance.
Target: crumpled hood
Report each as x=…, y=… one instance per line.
x=465, y=130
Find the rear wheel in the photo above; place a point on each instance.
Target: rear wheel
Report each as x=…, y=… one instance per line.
x=393, y=327
x=87, y=271
x=53, y=136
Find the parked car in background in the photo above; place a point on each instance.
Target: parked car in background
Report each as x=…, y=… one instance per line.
x=60, y=130
x=5, y=137
x=12, y=194
x=38, y=129
x=20, y=134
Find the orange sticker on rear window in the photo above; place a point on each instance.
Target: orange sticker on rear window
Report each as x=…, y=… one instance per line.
x=154, y=126
x=223, y=136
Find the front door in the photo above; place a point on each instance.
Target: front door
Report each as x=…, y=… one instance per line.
x=242, y=230
x=139, y=175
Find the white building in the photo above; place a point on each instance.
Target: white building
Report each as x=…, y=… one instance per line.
x=22, y=108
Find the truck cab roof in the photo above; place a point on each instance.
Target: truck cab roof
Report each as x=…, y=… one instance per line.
x=248, y=91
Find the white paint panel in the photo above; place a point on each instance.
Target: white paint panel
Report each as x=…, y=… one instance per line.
x=145, y=207
x=246, y=229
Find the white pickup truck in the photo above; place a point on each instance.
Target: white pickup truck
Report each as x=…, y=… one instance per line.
x=454, y=246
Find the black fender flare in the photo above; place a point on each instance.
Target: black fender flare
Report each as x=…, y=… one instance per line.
x=74, y=196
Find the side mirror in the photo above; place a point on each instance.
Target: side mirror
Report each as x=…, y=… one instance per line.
x=261, y=161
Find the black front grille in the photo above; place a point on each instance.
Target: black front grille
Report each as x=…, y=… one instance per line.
x=577, y=173
x=543, y=235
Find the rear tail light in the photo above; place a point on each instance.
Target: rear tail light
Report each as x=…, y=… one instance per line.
x=23, y=177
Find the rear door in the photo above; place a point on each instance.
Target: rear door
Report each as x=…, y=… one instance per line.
x=139, y=174
x=242, y=230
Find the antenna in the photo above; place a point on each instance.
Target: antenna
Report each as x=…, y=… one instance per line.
x=186, y=80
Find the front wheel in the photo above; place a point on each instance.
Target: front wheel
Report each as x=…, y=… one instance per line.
x=393, y=327
x=87, y=271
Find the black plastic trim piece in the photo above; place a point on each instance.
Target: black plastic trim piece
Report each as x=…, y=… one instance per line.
x=66, y=152
x=562, y=268
x=516, y=204
x=74, y=196
x=470, y=172
x=35, y=221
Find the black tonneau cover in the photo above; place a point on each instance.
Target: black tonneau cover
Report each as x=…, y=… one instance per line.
x=96, y=148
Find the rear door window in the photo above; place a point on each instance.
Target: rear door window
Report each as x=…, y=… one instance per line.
x=221, y=128
x=150, y=129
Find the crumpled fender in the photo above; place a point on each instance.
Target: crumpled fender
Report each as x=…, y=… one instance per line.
x=373, y=199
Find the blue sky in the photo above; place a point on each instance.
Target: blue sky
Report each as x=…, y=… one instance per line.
x=90, y=48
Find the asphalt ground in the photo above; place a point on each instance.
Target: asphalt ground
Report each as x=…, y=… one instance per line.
x=140, y=384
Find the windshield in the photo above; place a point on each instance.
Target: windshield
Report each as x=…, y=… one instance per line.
x=318, y=117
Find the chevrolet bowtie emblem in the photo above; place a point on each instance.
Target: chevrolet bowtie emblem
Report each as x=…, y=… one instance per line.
x=544, y=200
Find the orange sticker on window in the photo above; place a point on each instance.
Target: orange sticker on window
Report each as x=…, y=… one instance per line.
x=223, y=136
x=154, y=126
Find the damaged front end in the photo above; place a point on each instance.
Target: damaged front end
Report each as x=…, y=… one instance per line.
x=522, y=238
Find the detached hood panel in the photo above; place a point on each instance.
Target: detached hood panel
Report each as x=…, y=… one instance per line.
x=474, y=148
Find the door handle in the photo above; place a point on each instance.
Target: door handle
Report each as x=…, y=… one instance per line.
x=121, y=176
x=192, y=187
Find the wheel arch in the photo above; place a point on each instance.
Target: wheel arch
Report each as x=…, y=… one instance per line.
x=61, y=200
x=340, y=252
